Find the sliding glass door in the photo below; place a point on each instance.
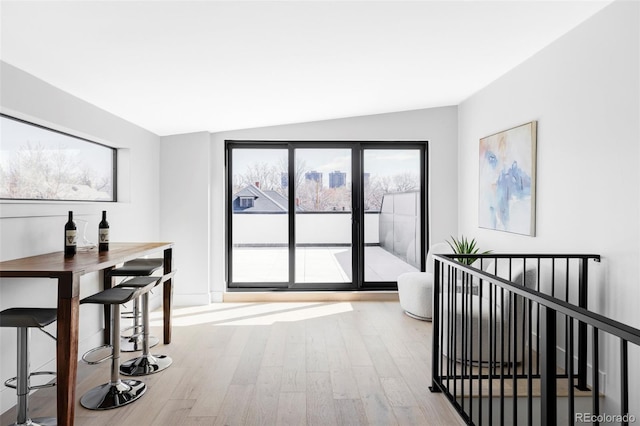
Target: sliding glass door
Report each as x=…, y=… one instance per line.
x=393, y=213
x=324, y=215
x=259, y=217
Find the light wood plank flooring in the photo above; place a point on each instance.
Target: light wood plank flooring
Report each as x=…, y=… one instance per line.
x=288, y=363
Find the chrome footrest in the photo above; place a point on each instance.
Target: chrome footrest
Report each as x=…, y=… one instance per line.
x=130, y=315
x=132, y=327
x=12, y=382
x=85, y=356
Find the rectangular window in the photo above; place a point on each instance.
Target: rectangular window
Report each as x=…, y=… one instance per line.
x=37, y=163
x=246, y=202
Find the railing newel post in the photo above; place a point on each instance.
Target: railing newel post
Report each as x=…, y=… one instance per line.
x=583, y=275
x=435, y=318
x=548, y=390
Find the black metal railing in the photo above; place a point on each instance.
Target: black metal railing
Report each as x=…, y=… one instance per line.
x=511, y=339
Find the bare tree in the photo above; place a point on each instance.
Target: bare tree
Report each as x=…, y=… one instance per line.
x=37, y=172
x=405, y=182
x=262, y=173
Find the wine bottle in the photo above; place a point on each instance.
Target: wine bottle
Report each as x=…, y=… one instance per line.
x=103, y=233
x=70, y=237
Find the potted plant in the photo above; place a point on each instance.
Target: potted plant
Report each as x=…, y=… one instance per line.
x=465, y=246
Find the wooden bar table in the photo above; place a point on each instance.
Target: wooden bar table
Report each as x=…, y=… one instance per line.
x=67, y=273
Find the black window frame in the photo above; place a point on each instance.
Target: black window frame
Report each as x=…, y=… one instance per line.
x=359, y=284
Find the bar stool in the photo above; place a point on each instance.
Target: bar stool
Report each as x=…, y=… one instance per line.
x=146, y=363
x=116, y=392
x=136, y=268
x=24, y=319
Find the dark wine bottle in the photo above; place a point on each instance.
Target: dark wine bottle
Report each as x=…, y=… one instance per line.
x=70, y=237
x=103, y=233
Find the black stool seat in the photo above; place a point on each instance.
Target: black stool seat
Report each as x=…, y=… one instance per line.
x=137, y=267
x=138, y=282
x=117, y=295
x=28, y=317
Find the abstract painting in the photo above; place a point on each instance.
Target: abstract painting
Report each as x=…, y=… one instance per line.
x=506, y=200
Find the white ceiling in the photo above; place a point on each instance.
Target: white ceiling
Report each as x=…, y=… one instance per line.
x=183, y=66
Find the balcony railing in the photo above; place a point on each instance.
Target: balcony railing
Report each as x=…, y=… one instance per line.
x=511, y=340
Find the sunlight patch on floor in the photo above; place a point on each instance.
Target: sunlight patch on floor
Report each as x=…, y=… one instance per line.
x=251, y=313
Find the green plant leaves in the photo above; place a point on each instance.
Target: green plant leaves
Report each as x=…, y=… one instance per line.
x=465, y=246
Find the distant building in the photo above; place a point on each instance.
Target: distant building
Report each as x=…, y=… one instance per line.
x=367, y=178
x=252, y=199
x=284, y=179
x=337, y=179
x=314, y=176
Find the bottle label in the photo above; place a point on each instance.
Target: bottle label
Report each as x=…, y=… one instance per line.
x=103, y=235
x=70, y=237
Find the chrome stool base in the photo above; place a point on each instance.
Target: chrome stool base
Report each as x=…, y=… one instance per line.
x=39, y=421
x=134, y=343
x=145, y=364
x=113, y=395
x=23, y=320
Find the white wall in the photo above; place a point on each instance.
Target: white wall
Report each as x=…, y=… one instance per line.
x=584, y=92
x=30, y=228
x=322, y=228
x=185, y=218
x=437, y=125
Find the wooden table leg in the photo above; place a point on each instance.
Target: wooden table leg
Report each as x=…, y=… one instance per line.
x=167, y=296
x=67, y=347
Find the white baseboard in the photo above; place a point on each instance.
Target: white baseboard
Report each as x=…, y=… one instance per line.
x=311, y=296
x=560, y=356
x=191, y=299
x=561, y=353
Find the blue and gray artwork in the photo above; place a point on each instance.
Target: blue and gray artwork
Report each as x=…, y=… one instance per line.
x=506, y=181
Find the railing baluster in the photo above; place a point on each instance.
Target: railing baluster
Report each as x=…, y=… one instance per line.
x=502, y=356
x=553, y=277
x=450, y=334
x=514, y=300
x=463, y=343
x=470, y=335
x=480, y=346
x=530, y=367
x=495, y=294
x=492, y=350
x=455, y=332
x=524, y=326
x=566, y=334
x=509, y=321
x=595, y=365
x=441, y=286
x=572, y=409
x=582, y=327
x=538, y=322
x=624, y=381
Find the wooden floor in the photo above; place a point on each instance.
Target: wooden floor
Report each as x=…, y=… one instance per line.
x=292, y=363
